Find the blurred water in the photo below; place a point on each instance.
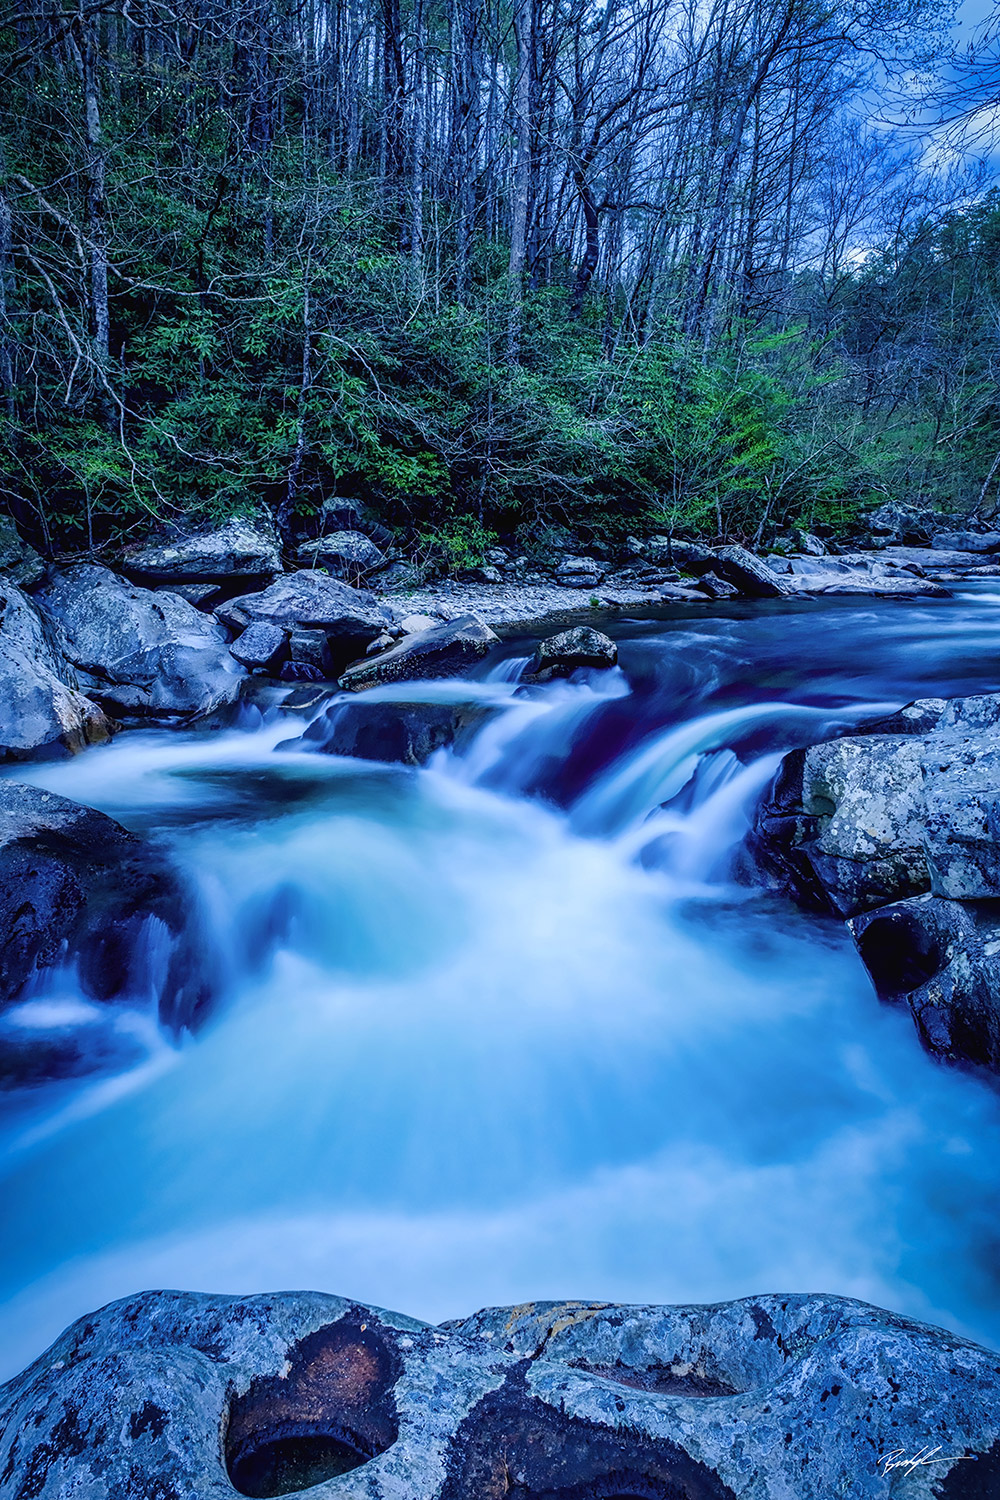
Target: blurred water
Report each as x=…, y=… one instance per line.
x=504, y=1028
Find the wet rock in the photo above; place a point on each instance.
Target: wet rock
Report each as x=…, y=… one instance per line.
x=142, y=653
x=241, y=549
x=407, y=732
x=260, y=645
x=942, y=959
x=717, y=588
x=445, y=651
x=77, y=887
x=19, y=562
x=561, y=654
x=875, y=817
x=41, y=711
x=748, y=573
x=843, y=824
x=205, y=1396
x=348, y=618
x=346, y=554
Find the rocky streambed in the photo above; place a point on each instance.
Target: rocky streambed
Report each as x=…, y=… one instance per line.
x=508, y=968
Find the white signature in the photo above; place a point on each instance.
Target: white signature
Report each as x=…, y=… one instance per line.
x=896, y=1459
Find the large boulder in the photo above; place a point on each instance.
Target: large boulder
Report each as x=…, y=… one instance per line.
x=328, y=621
x=909, y=806
x=748, y=573
x=141, y=653
x=579, y=572
x=942, y=959
x=447, y=650
x=966, y=541
x=559, y=655
x=241, y=549
x=793, y=1397
x=346, y=554
x=78, y=889
x=41, y=711
x=379, y=729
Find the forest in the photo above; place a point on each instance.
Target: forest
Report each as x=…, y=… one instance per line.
x=488, y=267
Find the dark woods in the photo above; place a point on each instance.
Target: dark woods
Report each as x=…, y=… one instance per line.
x=485, y=267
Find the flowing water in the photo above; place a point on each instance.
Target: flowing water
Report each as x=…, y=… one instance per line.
x=511, y=1027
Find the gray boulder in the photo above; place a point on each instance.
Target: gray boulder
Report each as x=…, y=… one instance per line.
x=347, y=618
x=346, y=554
x=579, y=572
x=875, y=817
x=942, y=959
x=408, y=733
x=561, y=654
x=714, y=587
x=76, y=886
x=241, y=549
x=41, y=711
x=19, y=562
x=446, y=651
x=260, y=645
x=767, y=1398
x=966, y=541
x=748, y=573
x=142, y=653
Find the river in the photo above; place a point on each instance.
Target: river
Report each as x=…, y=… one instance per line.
x=514, y=1026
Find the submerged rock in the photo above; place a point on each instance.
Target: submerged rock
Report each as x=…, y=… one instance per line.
x=374, y=729
x=559, y=655
x=942, y=958
x=41, y=713
x=76, y=887
x=767, y=1398
x=444, y=651
x=241, y=549
x=144, y=653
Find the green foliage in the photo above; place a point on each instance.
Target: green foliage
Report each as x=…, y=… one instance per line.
x=286, y=366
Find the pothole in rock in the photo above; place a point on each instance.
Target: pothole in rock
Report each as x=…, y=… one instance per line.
x=329, y=1411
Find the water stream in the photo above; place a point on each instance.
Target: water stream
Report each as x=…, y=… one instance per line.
x=511, y=1027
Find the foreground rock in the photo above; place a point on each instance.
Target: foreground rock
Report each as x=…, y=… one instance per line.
x=941, y=958
x=912, y=805
x=393, y=730
x=559, y=655
x=77, y=887
x=184, y=1395
x=41, y=714
x=138, y=652
x=242, y=549
x=445, y=651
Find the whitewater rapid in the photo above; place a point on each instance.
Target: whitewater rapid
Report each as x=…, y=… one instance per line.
x=508, y=1028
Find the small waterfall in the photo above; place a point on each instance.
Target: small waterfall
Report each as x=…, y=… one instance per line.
x=657, y=771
